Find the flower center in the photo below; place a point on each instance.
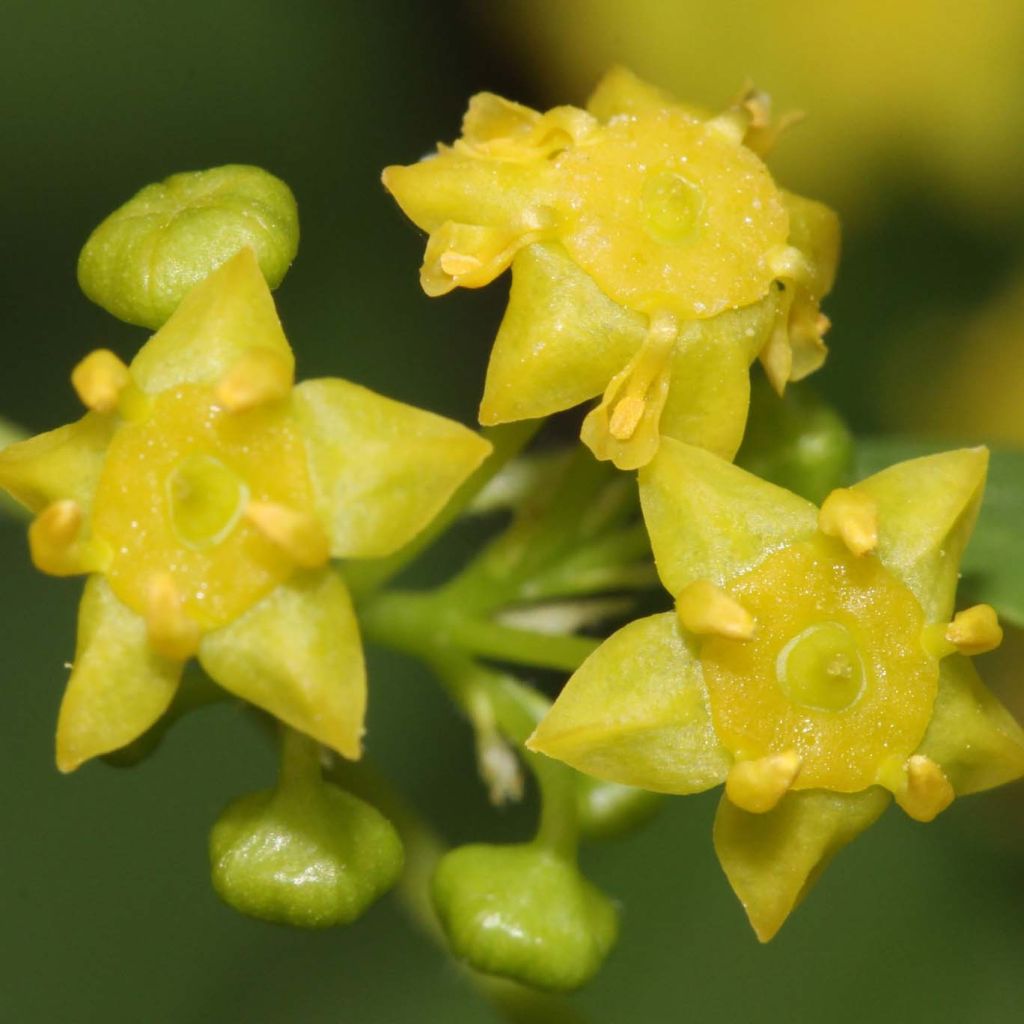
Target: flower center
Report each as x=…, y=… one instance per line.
x=672, y=208
x=205, y=500
x=821, y=668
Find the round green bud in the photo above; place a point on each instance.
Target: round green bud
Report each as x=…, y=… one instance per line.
x=797, y=441
x=140, y=262
x=310, y=856
x=525, y=913
x=608, y=810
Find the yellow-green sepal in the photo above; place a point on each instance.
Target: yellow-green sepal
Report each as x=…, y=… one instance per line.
x=773, y=859
x=118, y=686
x=297, y=654
x=523, y=912
x=636, y=712
x=927, y=508
x=974, y=739
x=62, y=463
x=560, y=342
x=140, y=262
x=381, y=469
x=224, y=317
x=708, y=519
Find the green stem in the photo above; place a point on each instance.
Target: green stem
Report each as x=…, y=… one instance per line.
x=10, y=433
x=300, y=759
x=366, y=577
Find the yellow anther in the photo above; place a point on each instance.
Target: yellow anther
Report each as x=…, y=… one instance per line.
x=975, y=630
x=788, y=263
x=920, y=787
x=852, y=517
x=455, y=264
x=626, y=416
x=260, y=376
x=730, y=125
x=53, y=536
x=704, y=608
x=170, y=630
x=298, y=534
x=99, y=379
x=757, y=786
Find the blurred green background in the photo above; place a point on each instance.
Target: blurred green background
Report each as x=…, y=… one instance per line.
x=917, y=108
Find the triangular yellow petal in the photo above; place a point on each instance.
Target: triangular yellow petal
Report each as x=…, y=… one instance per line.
x=621, y=92
x=381, y=469
x=118, y=687
x=926, y=512
x=636, y=712
x=62, y=463
x=297, y=654
x=709, y=393
x=975, y=740
x=217, y=323
x=773, y=859
x=709, y=519
x=560, y=342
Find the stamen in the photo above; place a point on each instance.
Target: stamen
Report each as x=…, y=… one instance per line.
x=171, y=632
x=704, y=608
x=757, y=786
x=920, y=787
x=975, y=630
x=260, y=376
x=297, y=533
x=852, y=517
x=99, y=379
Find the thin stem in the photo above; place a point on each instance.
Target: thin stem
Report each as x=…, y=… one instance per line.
x=523, y=646
x=364, y=578
x=300, y=759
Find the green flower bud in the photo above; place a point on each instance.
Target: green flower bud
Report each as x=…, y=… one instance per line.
x=525, y=913
x=146, y=255
x=305, y=855
x=608, y=810
x=797, y=442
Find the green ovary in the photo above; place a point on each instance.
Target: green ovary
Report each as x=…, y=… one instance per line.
x=205, y=498
x=821, y=668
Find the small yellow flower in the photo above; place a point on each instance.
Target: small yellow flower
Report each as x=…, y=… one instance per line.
x=812, y=664
x=204, y=496
x=653, y=260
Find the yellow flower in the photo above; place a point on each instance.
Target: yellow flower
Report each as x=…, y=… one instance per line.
x=205, y=496
x=653, y=260
x=813, y=664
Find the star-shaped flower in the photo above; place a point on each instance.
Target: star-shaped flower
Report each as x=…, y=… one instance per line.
x=205, y=496
x=812, y=664
x=653, y=260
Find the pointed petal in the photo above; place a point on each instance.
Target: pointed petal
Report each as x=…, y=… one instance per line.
x=381, y=469
x=977, y=742
x=708, y=519
x=621, y=92
x=710, y=391
x=561, y=340
x=926, y=512
x=119, y=686
x=773, y=859
x=636, y=712
x=219, y=321
x=62, y=463
x=297, y=654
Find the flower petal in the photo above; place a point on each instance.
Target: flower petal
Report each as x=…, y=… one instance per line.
x=710, y=391
x=62, y=463
x=773, y=859
x=381, y=469
x=636, y=712
x=297, y=654
x=561, y=340
x=621, y=92
x=708, y=519
x=975, y=740
x=814, y=230
x=119, y=686
x=222, y=318
x=926, y=512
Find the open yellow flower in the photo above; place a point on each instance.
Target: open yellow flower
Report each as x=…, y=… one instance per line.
x=653, y=260
x=813, y=664
x=205, y=495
